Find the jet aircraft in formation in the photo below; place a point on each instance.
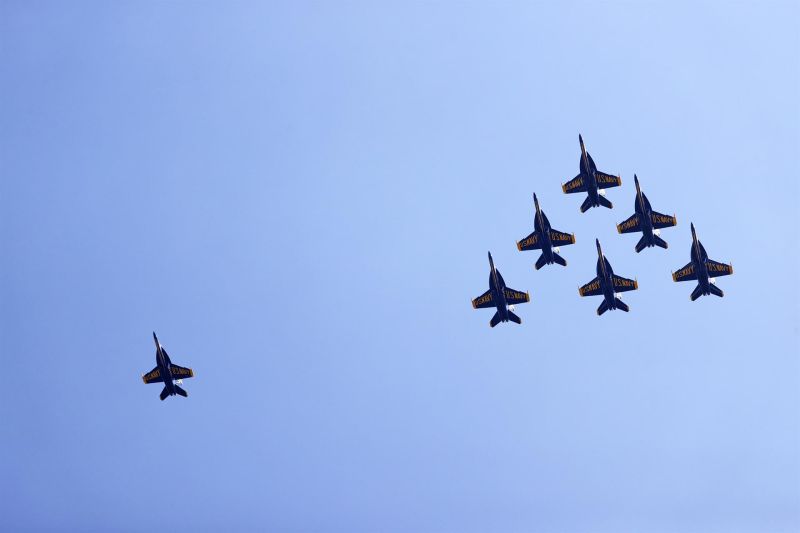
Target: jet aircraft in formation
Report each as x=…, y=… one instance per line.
x=644, y=220
x=702, y=269
x=500, y=297
x=166, y=372
x=647, y=221
x=608, y=284
x=591, y=181
x=546, y=239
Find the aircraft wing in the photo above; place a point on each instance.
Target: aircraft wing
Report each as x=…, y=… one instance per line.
x=154, y=376
x=591, y=289
x=687, y=273
x=484, y=300
x=629, y=225
x=180, y=372
x=716, y=269
x=516, y=297
x=576, y=184
x=559, y=238
x=531, y=242
x=604, y=181
x=624, y=284
x=662, y=221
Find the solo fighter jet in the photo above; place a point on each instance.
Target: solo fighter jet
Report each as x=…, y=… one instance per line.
x=701, y=268
x=591, y=181
x=608, y=285
x=647, y=221
x=501, y=297
x=546, y=239
x=165, y=372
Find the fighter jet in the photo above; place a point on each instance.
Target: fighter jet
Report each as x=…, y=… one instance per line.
x=546, y=239
x=591, y=181
x=647, y=221
x=701, y=268
x=501, y=297
x=608, y=284
x=165, y=372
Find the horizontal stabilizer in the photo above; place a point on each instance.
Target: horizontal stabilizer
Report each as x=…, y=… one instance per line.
x=619, y=304
x=542, y=261
x=164, y=393
x=586, y=205
x=661, y=243
x=603, y=308
x=560, y=260
x=181, y=391
x=696, y=293
x=514, y=318
x=495, y=320
x=605, y=202
x=642, y=244
x=716, y=291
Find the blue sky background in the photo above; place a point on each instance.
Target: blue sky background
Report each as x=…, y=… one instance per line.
x=299, y=200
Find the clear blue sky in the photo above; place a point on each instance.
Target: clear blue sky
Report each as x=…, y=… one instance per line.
x=299, y=200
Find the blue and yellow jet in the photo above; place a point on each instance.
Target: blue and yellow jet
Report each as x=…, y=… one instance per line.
x=591, y=181
x=608, y=285
x=647, y=221
x=546, y=239
x=165, y=372
x=702, y=269
x=501, y=297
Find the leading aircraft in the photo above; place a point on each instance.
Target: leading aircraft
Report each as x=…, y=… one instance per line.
x=701, y=268
x=647, y=221
x=591, y=181
x=166, y=372
x=501, y=297
x=546, y=239
x=608, y=285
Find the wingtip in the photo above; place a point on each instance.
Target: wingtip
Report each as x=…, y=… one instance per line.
x=674, y=278
x=519, y=246
x=564, y=188
x=619, y=229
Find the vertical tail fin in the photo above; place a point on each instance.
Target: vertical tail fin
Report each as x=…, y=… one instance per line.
x=642, y=244
x=181, y=391
x=661, y=243
x=495, y=319
x=542, y=261
x=560, y=260
x=164, y=393
x=605, y=202
x=514, y=318
x=619, y=304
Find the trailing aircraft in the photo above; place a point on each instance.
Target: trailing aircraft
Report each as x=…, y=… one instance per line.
x=166, y=372
x=500, y=297
x=647, y=221
x=591, y=181
x=546, y=239
x=608, y=284
x=702, y=269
